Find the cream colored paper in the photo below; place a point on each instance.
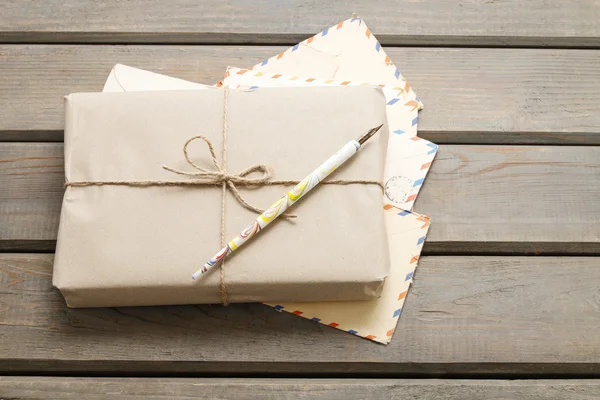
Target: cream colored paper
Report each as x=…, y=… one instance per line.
x=128, y=79
x=377, y=319
x=347, y=51
x=126, y=246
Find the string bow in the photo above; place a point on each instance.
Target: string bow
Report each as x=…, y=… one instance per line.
x=219, y=176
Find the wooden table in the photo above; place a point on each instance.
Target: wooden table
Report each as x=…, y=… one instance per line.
x=509, y=286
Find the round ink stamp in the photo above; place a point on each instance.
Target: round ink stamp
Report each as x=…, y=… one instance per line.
x=397, y=188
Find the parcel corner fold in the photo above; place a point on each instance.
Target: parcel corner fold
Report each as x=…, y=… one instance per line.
x=126, y=245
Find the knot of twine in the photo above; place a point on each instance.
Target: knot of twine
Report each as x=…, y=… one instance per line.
x=220, y=176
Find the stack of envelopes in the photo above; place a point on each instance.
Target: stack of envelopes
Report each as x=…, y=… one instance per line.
x=347, y=261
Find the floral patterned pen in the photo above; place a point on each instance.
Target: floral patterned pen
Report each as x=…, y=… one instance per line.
x=290, y=198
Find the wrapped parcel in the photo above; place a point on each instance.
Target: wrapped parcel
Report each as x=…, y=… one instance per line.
x=132, y=232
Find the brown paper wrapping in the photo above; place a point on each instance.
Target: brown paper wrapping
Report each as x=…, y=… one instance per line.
x=130, y=246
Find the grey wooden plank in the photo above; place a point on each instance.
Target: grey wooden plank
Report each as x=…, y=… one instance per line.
x=439, y=22
x=31, y=195
x=478, y=316
x=492, y=96
x=482, y=199
x=18, y=388
x=521, y=199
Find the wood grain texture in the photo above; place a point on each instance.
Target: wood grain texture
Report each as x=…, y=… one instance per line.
x=21, y=388
x=31, y=194
x=492, y=96
x=482, y=199
x=510, y=316
x=420, y=22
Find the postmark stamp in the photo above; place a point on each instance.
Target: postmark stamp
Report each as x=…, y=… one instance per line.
x=397, y=188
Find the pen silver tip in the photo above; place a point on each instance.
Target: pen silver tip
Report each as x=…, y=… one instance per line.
x=368, y=134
